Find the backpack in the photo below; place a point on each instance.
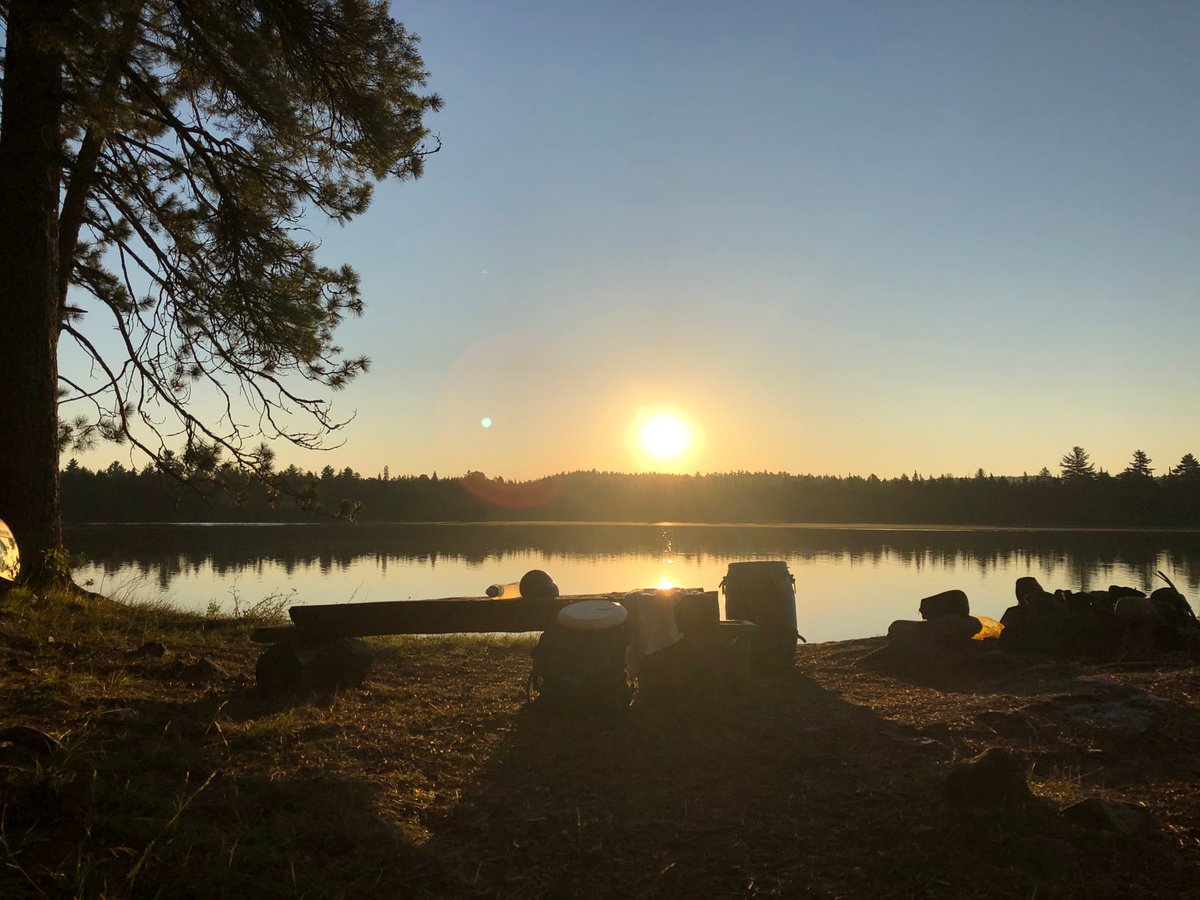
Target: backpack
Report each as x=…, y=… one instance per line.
x=580, y=671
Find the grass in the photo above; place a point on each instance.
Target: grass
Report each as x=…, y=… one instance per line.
x=436, y=780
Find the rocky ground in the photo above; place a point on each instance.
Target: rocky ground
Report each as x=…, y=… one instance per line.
x=165, y=773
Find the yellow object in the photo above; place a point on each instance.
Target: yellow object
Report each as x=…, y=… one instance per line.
x=10, y=559
x=991, y=629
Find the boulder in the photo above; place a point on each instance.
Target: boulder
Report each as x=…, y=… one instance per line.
x=910, y=635
x=1116, y=592
x=28, y=741
x=954, y=629
x=1025, y=631
x=947, y=603
x=1027, y=585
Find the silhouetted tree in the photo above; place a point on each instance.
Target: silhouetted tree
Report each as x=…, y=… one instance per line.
x=1075, y=465
x=1139, y=466
x=157, y=155
x=1188, y=467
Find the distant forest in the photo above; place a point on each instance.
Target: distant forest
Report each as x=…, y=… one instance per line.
x=1079, y=496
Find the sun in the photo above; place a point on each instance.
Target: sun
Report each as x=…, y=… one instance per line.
x=665, y=436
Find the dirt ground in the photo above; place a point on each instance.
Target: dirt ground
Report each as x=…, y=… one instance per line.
x=176, y=778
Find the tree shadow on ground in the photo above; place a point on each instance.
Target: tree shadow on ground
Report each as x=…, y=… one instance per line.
x=781, y=790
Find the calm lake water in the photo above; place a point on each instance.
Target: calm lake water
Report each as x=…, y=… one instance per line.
x=850, y=582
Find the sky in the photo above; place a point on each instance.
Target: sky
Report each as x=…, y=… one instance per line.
x=829, y=237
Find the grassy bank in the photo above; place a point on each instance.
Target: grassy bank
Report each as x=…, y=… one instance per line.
x=175, y=778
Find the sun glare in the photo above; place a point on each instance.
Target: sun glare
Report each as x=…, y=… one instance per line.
x=665, y=436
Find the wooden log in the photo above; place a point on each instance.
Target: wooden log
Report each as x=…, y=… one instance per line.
x=697, y=612
x=276, y=634
x=449, y=616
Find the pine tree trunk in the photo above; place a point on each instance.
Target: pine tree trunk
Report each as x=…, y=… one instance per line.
x=30, y=167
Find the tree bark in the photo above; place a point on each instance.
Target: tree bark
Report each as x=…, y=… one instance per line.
x=30, y=172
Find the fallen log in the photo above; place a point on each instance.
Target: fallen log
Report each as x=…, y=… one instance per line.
x=453, y=615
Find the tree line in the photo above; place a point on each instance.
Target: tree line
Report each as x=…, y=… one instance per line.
x=1078, y=496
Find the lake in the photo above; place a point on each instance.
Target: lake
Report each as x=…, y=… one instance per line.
x=850, y=581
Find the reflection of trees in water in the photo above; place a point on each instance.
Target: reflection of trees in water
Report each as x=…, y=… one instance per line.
x=1085, y=559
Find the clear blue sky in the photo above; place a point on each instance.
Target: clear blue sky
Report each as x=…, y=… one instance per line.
x=834, y=237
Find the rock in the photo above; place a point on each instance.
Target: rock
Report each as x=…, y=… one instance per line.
x=1027, y=585
x=1098, y=814
x=996, y=778
x=314, y=665
x=1116, y=592
x=201, y=671
x=947, y=603
x=69, y=648
x=150, y=650
x=954, y=629
x=1045, y=604
x=29, y=741
x=910, y=635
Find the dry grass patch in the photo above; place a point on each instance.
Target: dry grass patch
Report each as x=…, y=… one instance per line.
x=436, y=779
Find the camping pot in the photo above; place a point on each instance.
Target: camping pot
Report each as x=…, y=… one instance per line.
x=764, y=593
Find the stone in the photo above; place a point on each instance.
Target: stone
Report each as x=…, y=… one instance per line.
x=201, y=671
x=947, y=603
x=910, y=635
x=954, y=629
x=314, y=665
x=151, y=650
x=70, y=648
x=29, y=741
x=1116, y=592
x=1027, y=585
x=995, y=778
x=1115, y=816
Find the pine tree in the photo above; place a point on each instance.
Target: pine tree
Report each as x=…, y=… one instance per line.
x=157, y=156
x=1076, y=465
x=1139, y=466
x=1189, y=467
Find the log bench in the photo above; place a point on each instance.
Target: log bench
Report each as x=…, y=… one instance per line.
x=323, y=646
